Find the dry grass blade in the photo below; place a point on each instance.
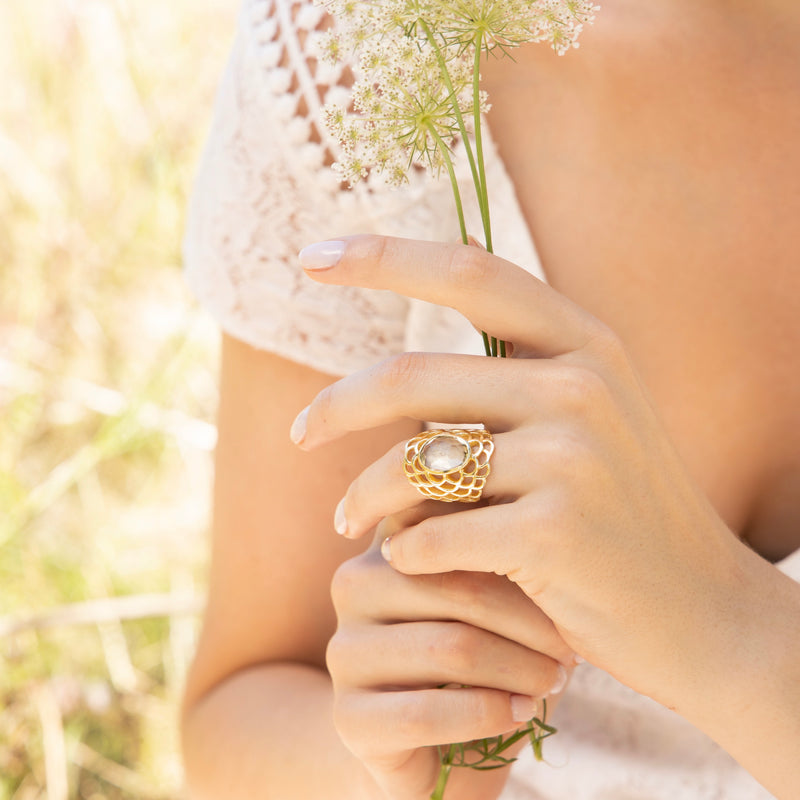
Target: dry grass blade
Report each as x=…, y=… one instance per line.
x=55, y=751
x=107, y=390
x=103, y=610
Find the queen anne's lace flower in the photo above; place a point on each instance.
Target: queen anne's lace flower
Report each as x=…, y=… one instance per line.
x=404, y=113
x=417, y=71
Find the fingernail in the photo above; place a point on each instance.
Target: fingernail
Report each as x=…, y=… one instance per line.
x=386, y=548
x=321, y=255
x=298, y=430
x=339, y=519
x=578, y=659
x=523, y=707
x=561, y=680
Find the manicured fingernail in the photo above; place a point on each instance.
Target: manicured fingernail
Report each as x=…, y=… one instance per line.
x=523, y=707
x=321, y=255
x=298, y=430
x=386, y=548
x=578, y=659
x=561, y=680
x=339, y=519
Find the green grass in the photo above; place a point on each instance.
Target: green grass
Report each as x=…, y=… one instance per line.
x=107, y=389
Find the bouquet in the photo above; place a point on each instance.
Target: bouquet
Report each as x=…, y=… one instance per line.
x=417, y=92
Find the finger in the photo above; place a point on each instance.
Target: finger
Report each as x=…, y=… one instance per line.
x=383, y=489
x=495, y=295
x=388, y=722
x=429, y=654
x=366, y=589
x=454, y=389
x=477, y=540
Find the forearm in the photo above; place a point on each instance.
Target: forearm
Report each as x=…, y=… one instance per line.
x=751, y=705
x=268, y=732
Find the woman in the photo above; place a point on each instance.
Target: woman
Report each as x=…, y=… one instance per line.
x=643, y=503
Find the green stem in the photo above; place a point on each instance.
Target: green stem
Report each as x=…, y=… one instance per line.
x=443, y=149
x=481, y=185
x=444, y=774
x=456, y=111
x=448, y=161
x=483, y=201
x=478, y=168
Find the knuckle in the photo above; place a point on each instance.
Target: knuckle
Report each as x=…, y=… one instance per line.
x=577, y=471
x=553, y=513
x=582, y=392
x=335, y=656
x=348, y=721
x=357, y=498
x=399, y=372
x=458, y=651
x=415, y=719
x=609, y=347
x=347, y=584
x=471, y=592
x=470, y=267
x=569, y=453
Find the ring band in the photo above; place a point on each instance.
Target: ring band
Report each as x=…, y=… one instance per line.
x=449, y=465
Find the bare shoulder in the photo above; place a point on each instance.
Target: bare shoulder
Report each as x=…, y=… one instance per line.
x=274, y=548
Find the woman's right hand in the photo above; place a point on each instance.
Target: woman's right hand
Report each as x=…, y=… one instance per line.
x=400, y=637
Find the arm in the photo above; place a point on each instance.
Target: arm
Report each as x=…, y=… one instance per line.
x=744, y=688
x=257, y=713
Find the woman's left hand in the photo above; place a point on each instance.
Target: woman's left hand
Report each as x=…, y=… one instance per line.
x=590, y=509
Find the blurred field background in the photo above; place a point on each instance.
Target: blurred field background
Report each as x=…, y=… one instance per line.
x=107, y=389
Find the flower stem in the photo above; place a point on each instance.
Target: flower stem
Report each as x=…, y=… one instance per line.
x=480, y=185
x=483, y=200
x=444, y=774
x=448, y=161
x=478, y=167
x=456, y=111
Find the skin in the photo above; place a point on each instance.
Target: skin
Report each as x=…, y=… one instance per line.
x=663, y=205
x=596, y=518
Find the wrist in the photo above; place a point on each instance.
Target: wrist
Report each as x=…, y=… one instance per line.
x=742, y=683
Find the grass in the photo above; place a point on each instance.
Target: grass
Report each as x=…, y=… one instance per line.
x=107, y=390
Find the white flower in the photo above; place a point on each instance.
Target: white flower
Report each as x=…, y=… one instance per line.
x=417, y=75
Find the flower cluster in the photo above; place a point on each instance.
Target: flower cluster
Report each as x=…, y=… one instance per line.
x=418, y=75
x=404, y=111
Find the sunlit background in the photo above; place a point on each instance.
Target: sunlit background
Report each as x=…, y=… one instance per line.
x=107, y=389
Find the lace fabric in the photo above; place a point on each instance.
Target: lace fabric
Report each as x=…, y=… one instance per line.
x=264, y=191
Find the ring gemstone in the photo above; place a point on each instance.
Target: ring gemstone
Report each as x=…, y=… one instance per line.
x=449, y=464
x=445, y=453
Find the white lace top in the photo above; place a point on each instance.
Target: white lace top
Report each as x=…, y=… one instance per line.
x=263, y=192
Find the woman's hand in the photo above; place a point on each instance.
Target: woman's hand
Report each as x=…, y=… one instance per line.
x=591, y=512
x=400, y=637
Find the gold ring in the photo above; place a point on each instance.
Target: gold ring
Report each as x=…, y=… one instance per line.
x=449, y=465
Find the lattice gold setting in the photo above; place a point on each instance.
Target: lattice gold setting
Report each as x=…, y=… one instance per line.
x=461, y=484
